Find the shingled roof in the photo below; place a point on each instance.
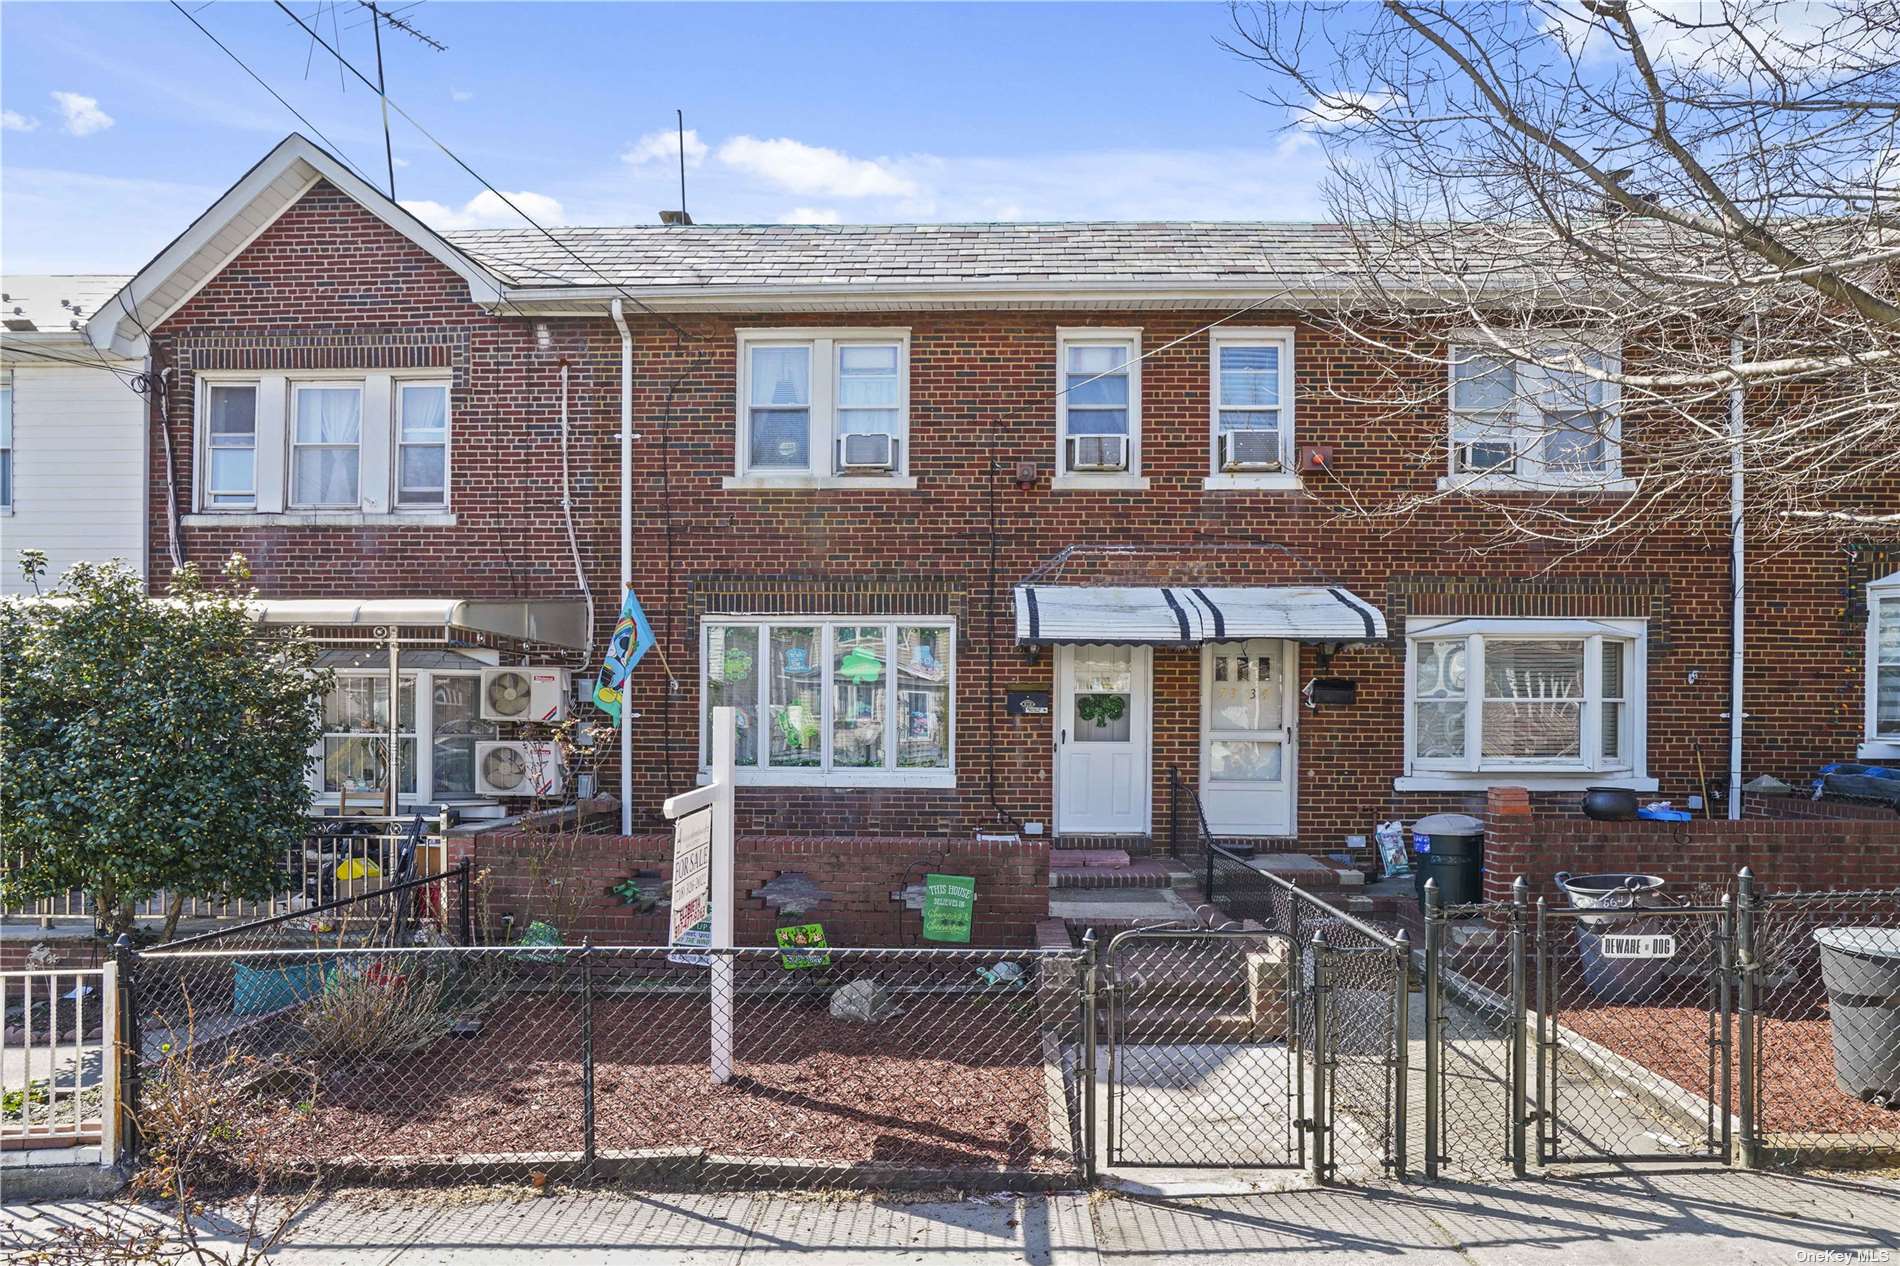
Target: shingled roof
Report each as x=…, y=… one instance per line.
x=1083, y=253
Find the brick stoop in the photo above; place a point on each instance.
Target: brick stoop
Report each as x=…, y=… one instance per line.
x=1144, y=873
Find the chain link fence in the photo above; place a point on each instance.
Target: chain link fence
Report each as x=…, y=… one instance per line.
x=846, y=1066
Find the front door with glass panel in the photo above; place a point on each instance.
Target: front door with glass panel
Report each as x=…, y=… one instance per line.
x=1247, y=738
x=1102, y=773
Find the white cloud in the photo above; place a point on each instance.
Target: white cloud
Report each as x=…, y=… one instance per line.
x=81, y=114
x=1349, y=107
x=461, y=94
x=812, y=215
x=14, y=121
x=664, y=147
x=487, y=211
x=796, y=167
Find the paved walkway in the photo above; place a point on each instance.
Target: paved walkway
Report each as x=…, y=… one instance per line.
x=1613, y=1218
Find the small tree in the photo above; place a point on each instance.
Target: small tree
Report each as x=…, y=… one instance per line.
x=150, y=744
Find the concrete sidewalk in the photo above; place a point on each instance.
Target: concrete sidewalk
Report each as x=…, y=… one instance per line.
x=1702, y=1217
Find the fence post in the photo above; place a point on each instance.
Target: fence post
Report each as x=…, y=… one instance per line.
x=1321, y=1168
x=1746, y=964
x=587, y=1054
x=131, y=1084
x=465, y=901
x=1540, y=1110
x=1401, y=1051
x=1434, y=1033
x=1520, y=1064
x=1091, y=981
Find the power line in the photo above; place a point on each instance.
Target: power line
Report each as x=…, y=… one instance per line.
x=334, y=147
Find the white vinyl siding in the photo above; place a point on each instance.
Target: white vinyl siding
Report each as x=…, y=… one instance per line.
x=839, y=701
x=6, y=445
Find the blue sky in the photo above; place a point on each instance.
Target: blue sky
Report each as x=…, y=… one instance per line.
x=122, y=121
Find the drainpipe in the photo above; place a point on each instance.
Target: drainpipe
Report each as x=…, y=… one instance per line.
x=1737, y=431
x=626, y=549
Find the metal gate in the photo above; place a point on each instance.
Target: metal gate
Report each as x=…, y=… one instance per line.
x=1654, y=984
x=1206, y=1056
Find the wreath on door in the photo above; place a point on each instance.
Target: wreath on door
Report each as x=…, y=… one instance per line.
x=1104, y=710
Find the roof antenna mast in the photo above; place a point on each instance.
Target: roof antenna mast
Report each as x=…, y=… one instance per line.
x=681, y=116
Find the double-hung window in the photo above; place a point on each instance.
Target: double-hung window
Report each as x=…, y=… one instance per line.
x=818, y=406
x=1883, y=668
x=1551, y=421
x=422, y=444
x=439, y=714
x=1098, y=407
x=326, y=445
x=1251, y=406
x=1555, y=697
x=230, y=453
x=846, y=702
x=6, y=443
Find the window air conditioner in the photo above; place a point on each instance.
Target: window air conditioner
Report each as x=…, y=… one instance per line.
x=523, y=694
x=518, y=769
x=867, y=451
x=1251, y=449
x=1098, y=452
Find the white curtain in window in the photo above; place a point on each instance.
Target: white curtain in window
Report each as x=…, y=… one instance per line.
x=332, y=418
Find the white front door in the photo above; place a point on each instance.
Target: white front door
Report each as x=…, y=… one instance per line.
x=1247, y=737
x=1102, y=774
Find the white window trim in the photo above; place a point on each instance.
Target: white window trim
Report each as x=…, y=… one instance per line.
x=822, y=472
x=1131, y=479
x=1466, y=773
x=1287, y=478
x=9, y=493
x=768, y=776
x=1526, y=432
x=424, y=679
x=292, y=446
x=378, y=449
x=1875, y=746
x=396, y=386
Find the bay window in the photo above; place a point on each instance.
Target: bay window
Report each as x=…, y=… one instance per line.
x=1552, y=697
x=1883, y=669
x=832, y=702
x=1534, y=423
x=821, y=406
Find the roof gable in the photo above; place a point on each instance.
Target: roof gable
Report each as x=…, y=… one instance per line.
x=235, y=220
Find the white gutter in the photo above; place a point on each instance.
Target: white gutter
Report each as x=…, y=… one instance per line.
x=1737, y=640
x=626, y=550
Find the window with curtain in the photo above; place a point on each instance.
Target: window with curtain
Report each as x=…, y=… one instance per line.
x=840, y=699
x=231, y=446
x=1509, y=697
x=1096, y=378
x=422, y=444
x=1100, y=399
x=1535, y=421
x=326, y=446
x=1883, y=661
x=779, y=413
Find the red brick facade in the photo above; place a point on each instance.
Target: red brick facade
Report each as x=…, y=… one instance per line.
x=329, y=285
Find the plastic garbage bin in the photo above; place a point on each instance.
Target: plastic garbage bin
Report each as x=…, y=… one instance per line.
x=1618, y=976
x=1861, y=969
x=1449, y=847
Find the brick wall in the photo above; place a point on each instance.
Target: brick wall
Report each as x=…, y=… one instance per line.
x=328, y=285
x=856, y=875
x=1790, y=853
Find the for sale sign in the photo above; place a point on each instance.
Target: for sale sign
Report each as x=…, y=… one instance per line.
x=1656, y=946
x=692, y=873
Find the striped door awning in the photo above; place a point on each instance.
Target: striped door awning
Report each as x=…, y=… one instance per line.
x=1183, y=615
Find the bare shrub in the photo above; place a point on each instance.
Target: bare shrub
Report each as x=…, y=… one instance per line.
x=377, y=1013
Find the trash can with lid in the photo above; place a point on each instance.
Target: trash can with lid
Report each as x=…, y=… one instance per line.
x=1624, y=956
x=1449, y=847
x=1861, y=968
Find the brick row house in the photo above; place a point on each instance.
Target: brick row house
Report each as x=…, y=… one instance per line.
x=982, y=529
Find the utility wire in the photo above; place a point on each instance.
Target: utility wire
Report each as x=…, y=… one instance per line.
x=334, y=147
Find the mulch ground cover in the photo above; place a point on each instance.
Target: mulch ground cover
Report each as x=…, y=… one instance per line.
x=949, y=1083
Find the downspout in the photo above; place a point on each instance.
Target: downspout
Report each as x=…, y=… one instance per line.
x=1737, y=639
x=567, y=517
x=626, y=549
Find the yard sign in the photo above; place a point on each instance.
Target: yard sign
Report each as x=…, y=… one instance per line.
x=721, y=899
x=692, y=873
x=949, y=904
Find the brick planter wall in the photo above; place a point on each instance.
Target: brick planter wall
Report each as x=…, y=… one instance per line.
x=1827, y=850
x=856, y=875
